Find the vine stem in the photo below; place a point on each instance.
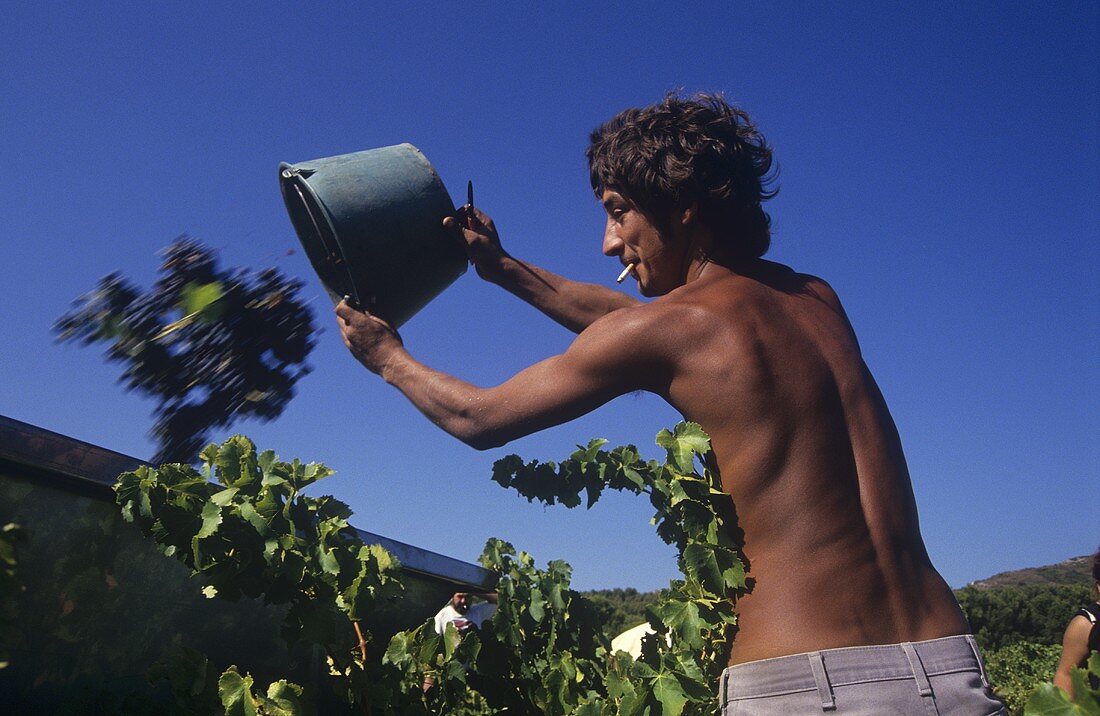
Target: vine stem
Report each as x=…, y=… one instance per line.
x=362, y=642
x=363, y=654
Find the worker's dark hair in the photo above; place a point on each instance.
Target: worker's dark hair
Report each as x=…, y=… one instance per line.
x=702, y=149
x=1096, y=567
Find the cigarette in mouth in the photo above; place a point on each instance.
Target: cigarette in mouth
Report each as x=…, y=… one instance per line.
x=626, y=271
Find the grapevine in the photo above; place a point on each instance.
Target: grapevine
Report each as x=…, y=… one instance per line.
x=242, y=524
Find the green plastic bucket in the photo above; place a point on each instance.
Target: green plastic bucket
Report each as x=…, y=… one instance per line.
x=371, y=224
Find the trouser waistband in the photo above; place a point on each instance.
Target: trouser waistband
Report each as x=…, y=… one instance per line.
x=822, y=670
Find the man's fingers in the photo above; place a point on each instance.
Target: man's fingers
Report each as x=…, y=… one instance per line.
x=344, y=310
x=456, y=227
x=380, y=321
x=460, y=220
x=483, y=219
x=462, y=216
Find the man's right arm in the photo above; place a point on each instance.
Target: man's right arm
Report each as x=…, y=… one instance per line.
x=573, y=304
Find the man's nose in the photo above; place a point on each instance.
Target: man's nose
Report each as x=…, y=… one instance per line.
x=612, y=244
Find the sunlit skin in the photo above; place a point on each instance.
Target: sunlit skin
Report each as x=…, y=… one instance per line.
x=631, y=237
x=1075, y=647
x=765, y=360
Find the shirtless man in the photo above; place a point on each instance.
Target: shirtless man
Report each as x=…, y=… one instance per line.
x=764, y=359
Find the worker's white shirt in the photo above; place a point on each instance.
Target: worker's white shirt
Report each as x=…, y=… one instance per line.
x=630, y=640
x=476, y=614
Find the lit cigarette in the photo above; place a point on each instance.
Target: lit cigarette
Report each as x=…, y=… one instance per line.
x=626, y=271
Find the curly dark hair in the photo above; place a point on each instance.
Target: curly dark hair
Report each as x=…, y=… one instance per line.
x=1096, y=567
x=679, y=151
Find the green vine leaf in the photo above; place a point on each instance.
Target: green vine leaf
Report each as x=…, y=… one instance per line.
x=202, y=300
x=285, y=699
x=667, y=690
x=228, y=459
x=685, y=442
x=701, y=564
x=211, y=518
x=235, y=692
x=683, y=618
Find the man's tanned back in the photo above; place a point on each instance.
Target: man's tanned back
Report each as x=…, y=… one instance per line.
x=811, y=457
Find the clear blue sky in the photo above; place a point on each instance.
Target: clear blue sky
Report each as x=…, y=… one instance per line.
x=940, y=166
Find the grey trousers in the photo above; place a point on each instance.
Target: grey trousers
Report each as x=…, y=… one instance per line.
x=939, y=676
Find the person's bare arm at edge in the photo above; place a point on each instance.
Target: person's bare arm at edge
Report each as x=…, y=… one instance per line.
x=617, y=355
x=573, y=304
x=1075, y=647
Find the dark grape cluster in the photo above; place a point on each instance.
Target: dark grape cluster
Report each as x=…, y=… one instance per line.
x=209, y=345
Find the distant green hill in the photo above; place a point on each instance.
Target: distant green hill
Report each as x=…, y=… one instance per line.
x=620, y=609
x=1072, y=572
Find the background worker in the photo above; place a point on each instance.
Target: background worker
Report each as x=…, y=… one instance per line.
x=465, y=613
x=765, y=360
x=1082, y=637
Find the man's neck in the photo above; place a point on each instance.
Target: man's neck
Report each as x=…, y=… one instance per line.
x=698, y=255
x=704, y=260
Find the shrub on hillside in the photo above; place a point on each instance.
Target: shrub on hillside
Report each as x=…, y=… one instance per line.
x=1037, y=614
x=1017, y=669
x=620, y=609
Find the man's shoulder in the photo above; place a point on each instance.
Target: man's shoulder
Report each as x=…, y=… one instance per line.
x=760, y=285
x=724, y=305
x=667, y=318
x=698, y=305
x=689, y=312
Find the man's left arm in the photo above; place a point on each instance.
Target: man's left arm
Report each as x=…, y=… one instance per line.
x=617, y=354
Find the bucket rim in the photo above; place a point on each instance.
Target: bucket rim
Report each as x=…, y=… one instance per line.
x=437, y=180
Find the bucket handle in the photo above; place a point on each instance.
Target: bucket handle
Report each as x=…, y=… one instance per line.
x=335, y=255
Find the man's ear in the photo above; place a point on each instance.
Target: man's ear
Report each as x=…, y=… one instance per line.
x=689, y=213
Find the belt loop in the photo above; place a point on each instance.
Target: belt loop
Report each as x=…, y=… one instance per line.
x=723, y=697
x=978, y=656
x=824, y=690
x=923, y=685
